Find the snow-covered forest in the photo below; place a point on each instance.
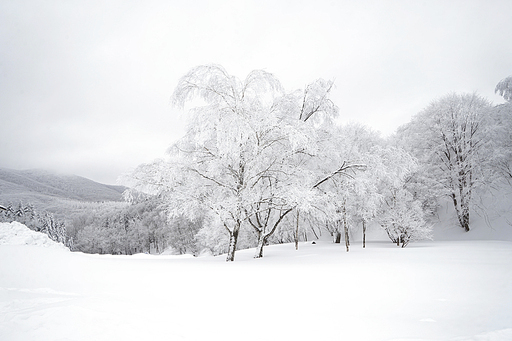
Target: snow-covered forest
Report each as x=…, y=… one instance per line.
x=260, y=166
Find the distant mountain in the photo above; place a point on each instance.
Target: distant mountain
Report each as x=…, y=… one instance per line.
x=44, y=187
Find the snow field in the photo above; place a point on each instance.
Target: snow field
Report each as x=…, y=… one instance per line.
x=453, y=290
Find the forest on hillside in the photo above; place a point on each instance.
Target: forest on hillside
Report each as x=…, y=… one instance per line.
x=259, y=166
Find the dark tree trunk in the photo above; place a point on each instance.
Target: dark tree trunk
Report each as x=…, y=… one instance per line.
x=263, y=237
x=462, y=212
x=364, y=233
x=259, y=247
x=297, y=232
x=338, y=237
x=465, y=217
x=345, y=227
x=233, y=238
x=347, y=239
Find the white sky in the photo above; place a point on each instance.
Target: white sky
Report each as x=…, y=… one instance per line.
x=85, y=85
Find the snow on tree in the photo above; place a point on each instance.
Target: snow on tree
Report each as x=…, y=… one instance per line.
x=364, y=201
x=44, y=222
x=293, y=185
x=504, y=88
x=351, y=197
x=401, y=215
x=251, y=155
x=403, y=218
x=241, y=161
x=502, y=133
x=502, y=139
x=451, y=139
x=366, y=198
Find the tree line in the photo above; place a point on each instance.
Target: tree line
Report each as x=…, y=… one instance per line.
x=259, y=165
x=254, y=157
x=44, y=221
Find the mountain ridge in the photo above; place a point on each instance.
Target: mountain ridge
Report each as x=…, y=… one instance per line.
x=41, y=185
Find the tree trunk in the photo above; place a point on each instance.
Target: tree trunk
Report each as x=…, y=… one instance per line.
x=262, y=240
x=465, y=210
x=233, y=238
x=345, y=226
x=261, y=244
x=364, y=233
x=297, y=232
x=465, y=219
x=347, y=239
x=462, y=213
x=338, y=237
x=462, y=208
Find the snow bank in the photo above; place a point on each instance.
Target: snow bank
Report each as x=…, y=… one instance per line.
x=18, y=234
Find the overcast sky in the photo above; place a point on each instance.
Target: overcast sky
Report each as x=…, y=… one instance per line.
x=85, y=85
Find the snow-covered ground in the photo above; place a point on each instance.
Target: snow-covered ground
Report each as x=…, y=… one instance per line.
x=18, y=234
x=440, y=290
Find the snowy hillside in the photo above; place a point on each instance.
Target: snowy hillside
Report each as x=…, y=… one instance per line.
x=448, y=290
x=491, y=218
x=39, y=185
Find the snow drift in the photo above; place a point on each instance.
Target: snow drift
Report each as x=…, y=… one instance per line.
x=18, y=234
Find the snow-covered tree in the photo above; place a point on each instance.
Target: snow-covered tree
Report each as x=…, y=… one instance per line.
x=502, y=140
x=251, y=155
x=54, y=229
x=502, y=133
x=350, y=196
x=400, y=215
x=504, y=88
x=44, y=222
x=403, y=218
x=366, y=200
x=451, y=139
x=242, y=158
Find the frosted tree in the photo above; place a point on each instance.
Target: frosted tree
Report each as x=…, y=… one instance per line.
x=251, y=155
x=310, y=142
x=450, y=138
x=220, y=157
x=401, y=215
x=241, y=161
x=367, y=200
x=364, y=199
x=504, y=88
x=351, y=195
x=502, y=132
x=403, y=218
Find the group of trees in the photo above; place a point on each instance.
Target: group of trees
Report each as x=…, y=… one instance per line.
x=256, y=159
x=141, y=226
x=260, y=166
x=44, y=222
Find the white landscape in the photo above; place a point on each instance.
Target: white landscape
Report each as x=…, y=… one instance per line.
x=328, y=170
x=432, y=290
